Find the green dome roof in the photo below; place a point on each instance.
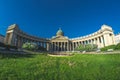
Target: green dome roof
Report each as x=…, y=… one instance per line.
x=59, y=33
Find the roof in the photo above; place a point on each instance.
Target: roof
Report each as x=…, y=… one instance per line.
x=59, y=32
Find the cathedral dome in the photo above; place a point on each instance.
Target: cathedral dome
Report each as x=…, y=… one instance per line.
x=59, y=33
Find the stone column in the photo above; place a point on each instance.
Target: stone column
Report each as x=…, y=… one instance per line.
x=64, y=46
x=98, y=42
x=53, y=46
x=106, y=39
x=83, y=42
x=102, y=41
x=61, y=46
x=39, y=43
x=57, y=46
x=43, y=44
x=19, y=41
x=88, y=42
x=113, y=39
x=47, y=46
x=95, y=41
x=92, y=41
x=73, y=45
x=77, y=44
x=67, y=46
x=9, y=38
x=15, y=40
x=102, y=44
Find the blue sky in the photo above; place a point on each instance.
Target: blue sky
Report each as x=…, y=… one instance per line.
x=44, y=17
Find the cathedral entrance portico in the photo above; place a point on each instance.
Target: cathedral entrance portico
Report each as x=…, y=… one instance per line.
x=60, y=41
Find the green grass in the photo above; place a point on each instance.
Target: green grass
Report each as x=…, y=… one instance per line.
x=43, y=67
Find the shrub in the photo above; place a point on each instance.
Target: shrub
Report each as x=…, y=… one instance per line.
x=87, y=47
x=30, y=46
x=108, y=47
x=80, y=48
x=117, y=47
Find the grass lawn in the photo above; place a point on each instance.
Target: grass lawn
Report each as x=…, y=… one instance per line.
x=76, y=67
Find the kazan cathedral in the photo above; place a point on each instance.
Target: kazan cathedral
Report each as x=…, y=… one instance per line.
x=103, y=37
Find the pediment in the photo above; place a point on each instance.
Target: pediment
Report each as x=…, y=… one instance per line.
x=60, y=38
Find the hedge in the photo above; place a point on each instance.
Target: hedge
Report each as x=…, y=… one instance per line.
x=86, y=47
x=108, y=47
x=117, y=47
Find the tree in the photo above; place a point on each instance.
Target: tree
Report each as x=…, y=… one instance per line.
x=30, y=46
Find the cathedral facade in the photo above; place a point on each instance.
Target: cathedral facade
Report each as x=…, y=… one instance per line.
x=103, y=37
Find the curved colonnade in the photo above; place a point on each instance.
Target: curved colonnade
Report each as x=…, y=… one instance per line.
x=16, y=37
x=103, y=37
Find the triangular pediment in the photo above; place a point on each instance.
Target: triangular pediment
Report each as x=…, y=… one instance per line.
x=60, y=38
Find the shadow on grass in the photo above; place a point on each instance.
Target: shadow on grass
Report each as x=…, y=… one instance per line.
x=16, y=55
